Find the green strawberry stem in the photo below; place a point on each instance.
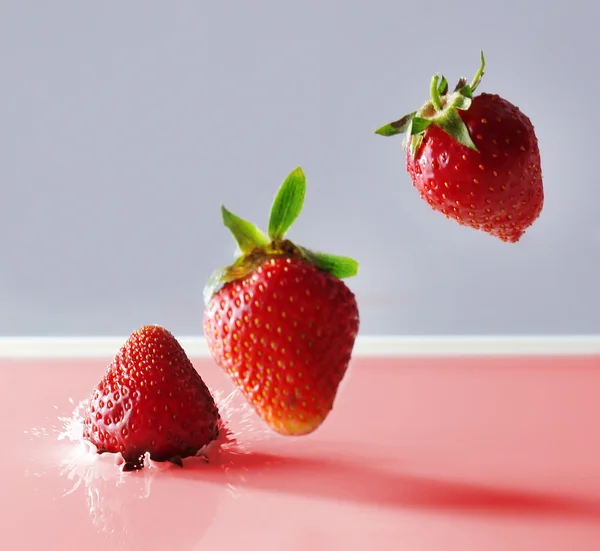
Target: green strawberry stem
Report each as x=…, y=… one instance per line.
x=256, y=248
x=441, y=110
x=479, y=74
x=435, y=93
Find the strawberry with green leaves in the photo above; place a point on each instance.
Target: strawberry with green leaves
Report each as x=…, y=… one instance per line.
x=280, y=321
x=151, y=399
x=474, y=158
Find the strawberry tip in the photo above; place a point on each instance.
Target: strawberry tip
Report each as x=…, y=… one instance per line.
x=129, y=466
x=176, y=460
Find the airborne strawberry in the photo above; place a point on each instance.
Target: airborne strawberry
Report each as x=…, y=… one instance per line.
x=280, y=321
x=474, y=158
x=151, y=399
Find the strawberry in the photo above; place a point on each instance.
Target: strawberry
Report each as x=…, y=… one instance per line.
x=151, y=399
x=280, y=321
x=474, y=158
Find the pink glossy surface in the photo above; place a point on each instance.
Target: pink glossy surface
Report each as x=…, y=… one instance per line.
x=425, y=454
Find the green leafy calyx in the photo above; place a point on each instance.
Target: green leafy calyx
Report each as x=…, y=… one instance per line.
x=287, y=204
x=255, y=247
x=441, y=110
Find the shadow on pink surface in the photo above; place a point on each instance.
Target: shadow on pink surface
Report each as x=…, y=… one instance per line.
x=168, y=507
x=248, y=457
x=354, y=480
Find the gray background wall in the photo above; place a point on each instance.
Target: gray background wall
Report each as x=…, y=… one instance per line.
x=124, y=125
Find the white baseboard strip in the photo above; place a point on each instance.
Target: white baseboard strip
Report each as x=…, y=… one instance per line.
x=375, y=346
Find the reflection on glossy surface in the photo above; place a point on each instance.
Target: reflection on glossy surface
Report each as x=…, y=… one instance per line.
x=129, y=508
x=490, y=454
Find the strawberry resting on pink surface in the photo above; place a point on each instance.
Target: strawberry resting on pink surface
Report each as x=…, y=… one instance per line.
x=280, y=321
x=151, y=399
x=474, y=158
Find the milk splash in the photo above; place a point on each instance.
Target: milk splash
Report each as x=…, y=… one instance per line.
x=239, y=429
x=218, y=467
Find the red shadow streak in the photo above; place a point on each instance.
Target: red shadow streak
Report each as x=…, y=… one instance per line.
x=360, y=483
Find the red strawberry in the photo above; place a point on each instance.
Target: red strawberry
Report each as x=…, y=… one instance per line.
x=280, y=321
x=151, y=399
x=474, y=159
